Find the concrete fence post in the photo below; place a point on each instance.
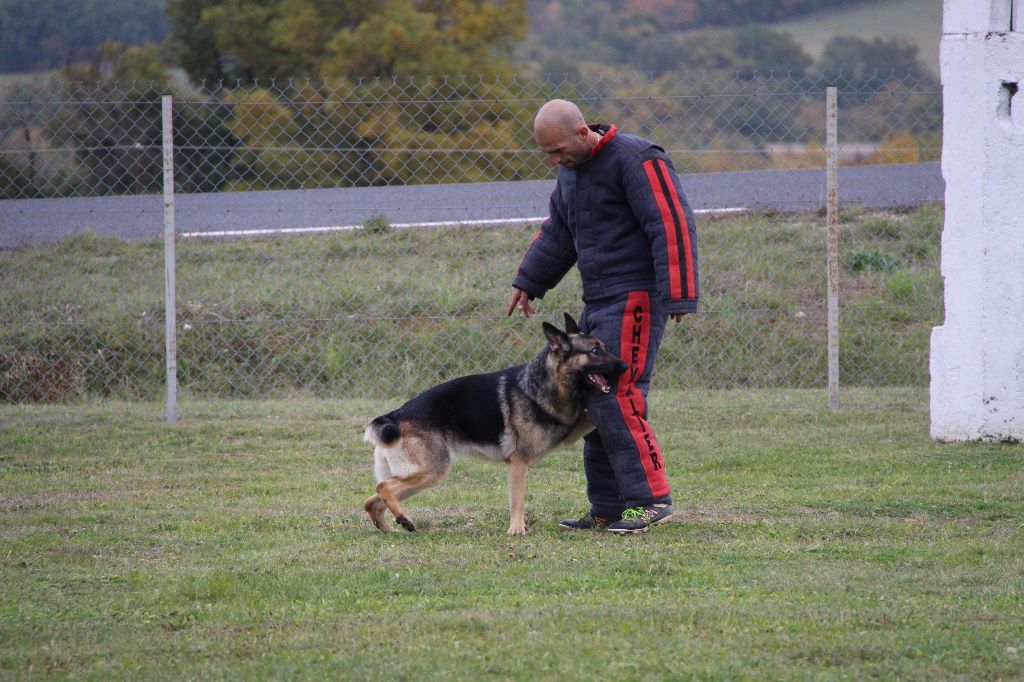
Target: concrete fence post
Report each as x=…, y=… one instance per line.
x=832, y=257
x=170, y=295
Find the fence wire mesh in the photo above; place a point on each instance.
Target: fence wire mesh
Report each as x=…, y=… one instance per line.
x=371, y=307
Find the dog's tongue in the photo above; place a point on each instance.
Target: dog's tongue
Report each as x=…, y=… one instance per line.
x=600, y=382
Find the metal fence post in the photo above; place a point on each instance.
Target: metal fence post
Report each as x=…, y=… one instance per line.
x=170, y=298
x=832, y=258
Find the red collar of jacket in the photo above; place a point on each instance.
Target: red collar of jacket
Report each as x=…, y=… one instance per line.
x=607, y=133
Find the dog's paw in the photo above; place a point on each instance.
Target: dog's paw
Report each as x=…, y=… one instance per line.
x=517, y=529
x=405, y=523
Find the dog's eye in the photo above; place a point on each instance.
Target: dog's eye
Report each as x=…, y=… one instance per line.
x=595, y=350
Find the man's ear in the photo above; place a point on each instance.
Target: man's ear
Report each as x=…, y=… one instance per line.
x=557, y=339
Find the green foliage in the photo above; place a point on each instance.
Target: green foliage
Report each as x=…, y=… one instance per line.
x=377, y=224
x=193, y=40
x=863, y=67
x=893, y=261
x=740, y=12
x=368, y=133
x=748, y=50
x=17, y=181
x=117, y=139
x=881, y=228
x=37, y=35
x=906, y=286
x=104, y=119
x=667, y=35
x=99, y=132
x=245, y=40
x=870, y=260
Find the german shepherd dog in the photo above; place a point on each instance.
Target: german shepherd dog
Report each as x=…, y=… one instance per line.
x=516, y=415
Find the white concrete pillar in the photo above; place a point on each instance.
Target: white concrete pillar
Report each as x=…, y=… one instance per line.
x=977, y=355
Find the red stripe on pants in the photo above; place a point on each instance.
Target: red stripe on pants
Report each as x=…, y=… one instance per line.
x=636, y=334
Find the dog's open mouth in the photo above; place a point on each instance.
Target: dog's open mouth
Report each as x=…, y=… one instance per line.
x=599, y=382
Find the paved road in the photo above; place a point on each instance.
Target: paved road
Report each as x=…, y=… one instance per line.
x=29, y=221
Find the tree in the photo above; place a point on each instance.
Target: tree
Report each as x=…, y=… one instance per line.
x=677, y=14
x=759, y=49
x=254, y=39
x=193, y=40
x=107, y=114
x=865, y=66
x=116, y=133
x=748, y=51
x=42, y=35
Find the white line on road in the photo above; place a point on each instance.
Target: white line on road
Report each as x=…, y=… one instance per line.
x=283, y=231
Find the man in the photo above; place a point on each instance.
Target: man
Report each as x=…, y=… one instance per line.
x=619, y=213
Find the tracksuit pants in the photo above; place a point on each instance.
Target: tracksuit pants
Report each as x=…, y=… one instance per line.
x=622, y=459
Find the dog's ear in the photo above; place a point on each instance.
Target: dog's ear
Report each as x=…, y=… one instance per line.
x=570, y=325
x=557, y=339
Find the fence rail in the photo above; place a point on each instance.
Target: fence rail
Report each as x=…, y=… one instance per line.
x=387, y=310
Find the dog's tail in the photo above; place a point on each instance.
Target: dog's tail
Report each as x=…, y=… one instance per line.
x=383, y=431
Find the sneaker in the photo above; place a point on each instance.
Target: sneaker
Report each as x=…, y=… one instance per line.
x=586, y=522
x=639, y=519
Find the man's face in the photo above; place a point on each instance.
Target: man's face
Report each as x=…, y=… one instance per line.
x=563, y=148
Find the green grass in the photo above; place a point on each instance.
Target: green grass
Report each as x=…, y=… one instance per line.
x=919, y=21
x=811, y=545
x=335, y=316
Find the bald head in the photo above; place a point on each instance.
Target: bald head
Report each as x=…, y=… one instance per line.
x=559, y=116
x=561, y=132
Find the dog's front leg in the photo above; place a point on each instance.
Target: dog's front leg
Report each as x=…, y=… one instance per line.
x=516, y=495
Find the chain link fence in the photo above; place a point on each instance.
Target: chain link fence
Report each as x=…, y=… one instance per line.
x=367, y=306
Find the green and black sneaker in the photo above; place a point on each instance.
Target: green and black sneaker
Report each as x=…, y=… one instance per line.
x=586, y=522
x=639, y=519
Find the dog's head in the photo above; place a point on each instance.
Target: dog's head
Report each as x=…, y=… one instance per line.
x=583, y=355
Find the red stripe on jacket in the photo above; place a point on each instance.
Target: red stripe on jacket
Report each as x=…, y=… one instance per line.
x=685, y=230
x=636, y=335
x=674, y=276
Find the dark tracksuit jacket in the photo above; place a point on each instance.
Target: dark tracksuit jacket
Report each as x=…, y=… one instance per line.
x=621, y=216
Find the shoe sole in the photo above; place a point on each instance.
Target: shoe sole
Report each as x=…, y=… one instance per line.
x=625, y=531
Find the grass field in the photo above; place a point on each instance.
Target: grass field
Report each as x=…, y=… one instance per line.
x=809, y=545
x=335, y=316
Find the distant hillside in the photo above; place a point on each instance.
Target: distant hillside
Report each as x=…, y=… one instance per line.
x=565, y=36
x=562, y=33
x=919, y=21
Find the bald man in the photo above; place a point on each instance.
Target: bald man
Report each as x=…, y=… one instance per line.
x=618, y=212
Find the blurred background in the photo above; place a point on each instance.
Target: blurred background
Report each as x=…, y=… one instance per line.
x=344, y=117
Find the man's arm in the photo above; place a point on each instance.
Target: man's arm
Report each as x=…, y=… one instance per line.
x=546, y=261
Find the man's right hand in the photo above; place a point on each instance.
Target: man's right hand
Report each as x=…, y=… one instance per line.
x=521, y=300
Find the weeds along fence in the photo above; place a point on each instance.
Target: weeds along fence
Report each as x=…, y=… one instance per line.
x=382, y=310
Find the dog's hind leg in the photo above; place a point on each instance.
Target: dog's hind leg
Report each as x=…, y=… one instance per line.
x=420, y=461
x=516, y=495
x=375, y=507
x=391, y=490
